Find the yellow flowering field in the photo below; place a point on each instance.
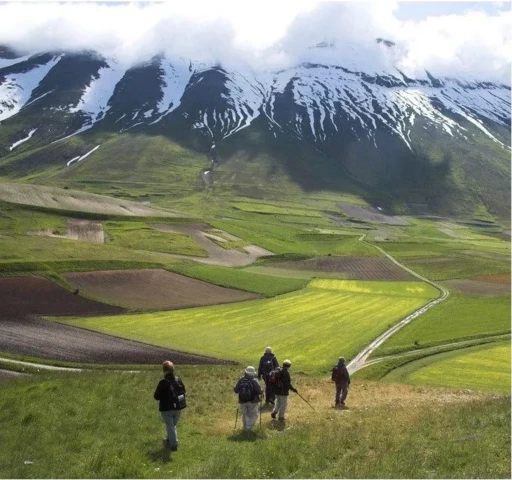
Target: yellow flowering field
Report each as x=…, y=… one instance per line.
x=312, y=327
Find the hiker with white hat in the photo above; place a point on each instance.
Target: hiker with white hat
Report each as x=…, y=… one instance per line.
x=268, y=362
x=249, y=394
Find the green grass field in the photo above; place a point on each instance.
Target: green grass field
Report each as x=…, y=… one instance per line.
x=106, y=425
x=459, y=317
x=485, y=367
x=243, y=279
x=138, y=236
x=312, y=326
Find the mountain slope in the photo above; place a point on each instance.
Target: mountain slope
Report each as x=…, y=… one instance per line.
x=435, y=143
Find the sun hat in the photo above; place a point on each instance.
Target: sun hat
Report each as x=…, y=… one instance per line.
x=287, y=363
x=251, y=371
x=268, y=350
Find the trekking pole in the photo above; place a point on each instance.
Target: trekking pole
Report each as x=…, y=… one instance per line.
x=236, y=418
x=260, y=413
x=305, y=400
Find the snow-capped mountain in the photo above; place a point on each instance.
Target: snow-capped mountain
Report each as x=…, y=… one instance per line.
x=358, y=102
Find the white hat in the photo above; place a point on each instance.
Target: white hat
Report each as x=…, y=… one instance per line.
x=251, y=371
x=287, y=363
x=268, y=350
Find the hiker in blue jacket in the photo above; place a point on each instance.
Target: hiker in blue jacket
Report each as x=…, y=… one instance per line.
x=249, y=394
x=341, y=378
x=268, y=362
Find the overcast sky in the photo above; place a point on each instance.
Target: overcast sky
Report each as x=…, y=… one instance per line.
x=472, y=39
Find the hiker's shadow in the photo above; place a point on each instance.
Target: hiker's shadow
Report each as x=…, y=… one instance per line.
x=245, y=436
x=278, y=425
x=162, y=455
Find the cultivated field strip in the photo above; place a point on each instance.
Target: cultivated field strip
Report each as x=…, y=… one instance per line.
x=313, y=326
x=483, y=367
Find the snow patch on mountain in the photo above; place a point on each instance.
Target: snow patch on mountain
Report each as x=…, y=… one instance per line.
x=8, y=62
x=80, y=158
x=19, y=142
x=175, y=77
x=237, y=109
x=17, y=88
x=94, y=100
x=328, y=95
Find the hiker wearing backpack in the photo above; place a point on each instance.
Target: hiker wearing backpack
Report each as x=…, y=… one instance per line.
x=281, y=383
x=341, y=378
x=268, y=362
x=171, y=394
x=249, y=394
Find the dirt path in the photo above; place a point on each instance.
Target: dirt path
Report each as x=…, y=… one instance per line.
x=360, y=360
x=216, y=254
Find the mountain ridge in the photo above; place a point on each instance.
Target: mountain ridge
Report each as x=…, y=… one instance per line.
x=382, y=123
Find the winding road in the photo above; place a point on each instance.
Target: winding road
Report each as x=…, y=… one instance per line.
x=361, y=359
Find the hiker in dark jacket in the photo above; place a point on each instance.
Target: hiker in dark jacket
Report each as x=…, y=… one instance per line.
x=268, y=362
x=341, y=378
x=249, y=395
x=282, y=390
x=171, y=394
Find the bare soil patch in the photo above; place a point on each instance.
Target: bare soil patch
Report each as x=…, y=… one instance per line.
x=152, y=289
x=35, y=337
x=24, y=332
x=201, y=234
x=499, y=278
x=82, y=230
x=370, y=214
x=477, y=287
x=355, y=268
x=74, y=200
x=37, y=295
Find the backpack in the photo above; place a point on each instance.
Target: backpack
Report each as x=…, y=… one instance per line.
x=274, y=377
x=177, y=394
x=266, y=366
x=245, y=390
x=337, y=375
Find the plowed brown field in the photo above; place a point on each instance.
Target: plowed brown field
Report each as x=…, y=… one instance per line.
x=152, y=289
x=354, y=268
x=36, y=295
x=23, y=332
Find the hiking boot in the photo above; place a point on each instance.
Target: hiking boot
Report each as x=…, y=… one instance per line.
x=273, y=415
x=174, y=448
x=281, y=419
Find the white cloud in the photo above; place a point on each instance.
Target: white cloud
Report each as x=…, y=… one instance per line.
x=268, y=34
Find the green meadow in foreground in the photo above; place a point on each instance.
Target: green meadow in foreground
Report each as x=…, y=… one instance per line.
x=312, y=326
x=458, y=317
x=106, y=425
x=485, y=367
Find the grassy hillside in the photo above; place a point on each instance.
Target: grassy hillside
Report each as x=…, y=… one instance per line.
x=106, y=425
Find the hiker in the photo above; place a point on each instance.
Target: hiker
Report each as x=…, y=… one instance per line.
x=171, y=394
x=341, y=378
x=268, y=362
x=249, y=394
x=281, y=388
